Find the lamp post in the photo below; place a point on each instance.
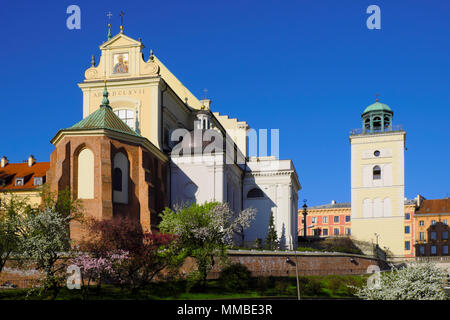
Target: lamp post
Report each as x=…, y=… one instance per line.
x=305, y=213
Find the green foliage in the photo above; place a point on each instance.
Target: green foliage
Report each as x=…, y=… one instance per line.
x=235, y=277
x=11, y=211
x=204, y=232
x=45, y=236
x=272, y=241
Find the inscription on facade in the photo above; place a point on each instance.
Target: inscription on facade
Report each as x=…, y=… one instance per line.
x=126, y=92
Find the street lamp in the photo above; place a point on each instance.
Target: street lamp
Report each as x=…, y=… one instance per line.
x=305, y=213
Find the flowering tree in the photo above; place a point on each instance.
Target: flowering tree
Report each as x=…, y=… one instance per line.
x=146, y=254
x=417, y=281
x=96, y=268
x=45, y=239
x=205, y=230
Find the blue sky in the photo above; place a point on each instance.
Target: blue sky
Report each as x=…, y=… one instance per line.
x=308, y=68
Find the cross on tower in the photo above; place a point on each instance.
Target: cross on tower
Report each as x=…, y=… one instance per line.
x=377, y=95
x=205, y=92
x=121, y=17
x=109, y=15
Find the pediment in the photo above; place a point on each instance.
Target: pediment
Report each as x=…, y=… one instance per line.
x=120, y=40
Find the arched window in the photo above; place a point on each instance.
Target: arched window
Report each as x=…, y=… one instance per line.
x=377, y=123
x=117, y=179
x=120, y=176
x=255, y=193
x=86, y=174
x=376, y=173
x=387, y=122
x=126, y=116
x=367, y=124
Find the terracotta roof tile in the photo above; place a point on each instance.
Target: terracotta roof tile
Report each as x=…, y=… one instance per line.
x=11, y=171
x=434, y=206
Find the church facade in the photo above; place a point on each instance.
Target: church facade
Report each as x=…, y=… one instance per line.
x=146, y=142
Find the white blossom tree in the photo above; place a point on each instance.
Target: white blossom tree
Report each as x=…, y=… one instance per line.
x=205, y=231
x=416, y=281
x=45, y=241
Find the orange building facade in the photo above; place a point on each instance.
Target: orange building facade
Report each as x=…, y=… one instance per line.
x=334, y=219
x=431, y=228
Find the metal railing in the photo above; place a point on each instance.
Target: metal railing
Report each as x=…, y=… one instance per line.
x=396, y=127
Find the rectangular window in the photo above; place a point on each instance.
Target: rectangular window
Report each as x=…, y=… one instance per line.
x=433, y=222
x=347, y=231
x=406, y=229
x=444, y=235
x=407, y=245
x=433, y=249
x=422, y=250
x=421, y=235
x=325, y=232
x=314, y=220
x=336, y=219
x=347, y=218
x=19, y=181
x=421, y=223
x=407, y=216
x=445, y=221
x=444, y=249
x=336, y=231
x=325, y=220
x=433, y=235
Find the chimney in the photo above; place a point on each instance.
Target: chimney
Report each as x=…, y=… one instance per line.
x=31, y=160
x=3, y=162
x=333, y=201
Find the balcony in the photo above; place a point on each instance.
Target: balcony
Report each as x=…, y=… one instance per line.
x=392, y=128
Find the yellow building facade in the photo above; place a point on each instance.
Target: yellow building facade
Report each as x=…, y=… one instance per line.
x=146, y=95
x=377, y=180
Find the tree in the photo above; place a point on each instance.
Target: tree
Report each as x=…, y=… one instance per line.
x=95, y=269
x=45, y=237
x=272, y=241
x=147, y=254
x=205, y=231
x=417, y=281
x=11, y=210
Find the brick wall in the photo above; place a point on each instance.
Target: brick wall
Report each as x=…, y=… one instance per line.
x=282, y=263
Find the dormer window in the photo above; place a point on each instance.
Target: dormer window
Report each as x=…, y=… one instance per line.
x=38, y=181
x=19, y=182
x=2, y=182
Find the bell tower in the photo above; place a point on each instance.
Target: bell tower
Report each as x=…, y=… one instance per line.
x=377, y=179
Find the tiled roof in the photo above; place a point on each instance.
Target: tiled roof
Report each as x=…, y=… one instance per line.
x=103, y=118
x=435, y=206
x=21, y=170
x=333, y=206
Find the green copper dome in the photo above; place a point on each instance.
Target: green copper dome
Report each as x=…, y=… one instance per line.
x=377, y=106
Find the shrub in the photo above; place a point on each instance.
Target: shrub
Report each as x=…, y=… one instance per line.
x=414, y=282
x=235, y=277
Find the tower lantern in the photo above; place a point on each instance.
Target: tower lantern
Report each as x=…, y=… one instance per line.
x=377, y=118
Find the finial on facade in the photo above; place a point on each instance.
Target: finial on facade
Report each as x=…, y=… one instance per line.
x=151, y=54
x=377, y=95
x=93, y=61
x=140, y=39
x=105, y=101
x=109, y=31
x=121, y=21
x=203, y=107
